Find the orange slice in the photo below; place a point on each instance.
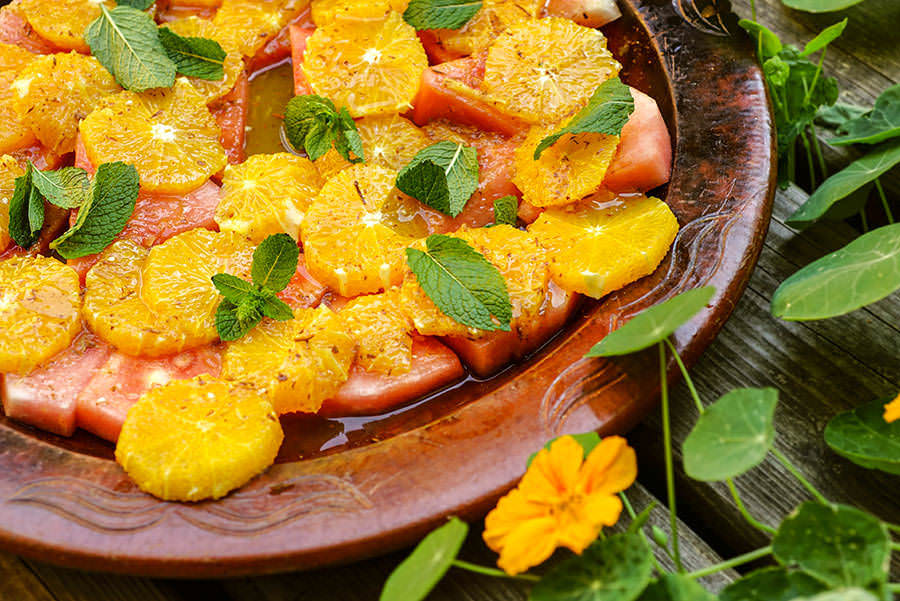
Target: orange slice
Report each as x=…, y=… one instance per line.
x=244, y=26
x=40, y=311
x=14, y=134
x=382, y=331
x=299, y=363
x=198, y=439
x=370, y=67
x=169, y=135
x=9, y=171
x=494, y=17
x=62, y=22
x=196, y=27
x=324, y=12
x=13, y=58
x=606, y=242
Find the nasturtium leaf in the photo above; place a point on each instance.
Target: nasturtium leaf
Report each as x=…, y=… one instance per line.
x=618, y=568
x=877, y=125
x=440, y=14
x=732, y=436
x=195, y=57
x=234, y=321
x=419, y=573
x=772, y=584
x=26, y=210
x=587, y=440
x=654, y=325
x=103, y=215
x=850, y=205
x=837, y=544
x=825, y=37
x=314, y=125
x=676, y=587
x=463, y=284
x=766, y=39
x=443, y=176
x=138, y=4
x=125, y=41
x=66, y=188
x=865, y=438
x=861, y=273
x=857, y=174
x=836, y=115
x=506, y=210
x=275, y=262
x=820, y=6
x=233, y=288
x=842, y=594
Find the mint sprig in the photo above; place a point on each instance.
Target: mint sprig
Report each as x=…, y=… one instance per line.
x=244, y=304
x=66, y=188
x=443, y=176
x=138, y=4
x=195, y=57
x=440, y=14
x=313, y=124
x=463, y=284
x=606, y=112
x=506, y=210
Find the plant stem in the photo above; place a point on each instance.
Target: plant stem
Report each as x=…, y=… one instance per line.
x=893, y=527
x=809, y=162
x=667, y=446
x=627, y=505
x=686, y=376
x=895, y=546
x=818, y=148
x=815, y=77
x=865, y=220
x=884, y=200
x=731, y=563
x=740, y=505
x=753, y=9
x=486, y=571
x=893, y=587
x=796, y=473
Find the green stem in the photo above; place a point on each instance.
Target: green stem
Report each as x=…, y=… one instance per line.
x=893, y=527
x=686, y=376
x=809, y=162
x=895, y=546
x=627, y=505
x=815, y=77
x=796, y=473
x=884, y=200
x=818, y=148
x=893, y=587
x=731, y=563
x=486, y=571
x=740, y=505
x=670, y=464
x=865, y=220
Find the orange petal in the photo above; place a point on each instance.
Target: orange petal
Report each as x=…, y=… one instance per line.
x=511, y=511
x=610, y=468
x=554, y=472
x=892, y=410
x=530, y=544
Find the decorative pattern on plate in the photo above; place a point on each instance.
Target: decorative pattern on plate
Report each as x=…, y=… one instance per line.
x=584, y=381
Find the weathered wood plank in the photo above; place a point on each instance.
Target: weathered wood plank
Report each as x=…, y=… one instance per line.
x=18, y=583
x=75, y=585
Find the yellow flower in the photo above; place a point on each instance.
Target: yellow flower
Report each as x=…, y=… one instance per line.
x=562, y=501
x=892, y=410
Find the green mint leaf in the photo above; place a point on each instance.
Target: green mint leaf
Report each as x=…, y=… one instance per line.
x=194, y=57
x=313, y=124
x=233, y=288
x=440, y=14
x=26, y=210
x=125, y=41
x=877, y=125
x=825, y=37
x=443, y=176
x=67, y=188
x=138, y=4
x=234, y=321
x=273, y=307
x=606, y=112
x=348, y=140
x=104, y=214
x=275, y=262
x=506, y=210
x=766, y=41
x=419, y=573
x=463, y=284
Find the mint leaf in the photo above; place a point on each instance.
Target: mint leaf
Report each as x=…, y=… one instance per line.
x=506, y=210
x=273, y=307
x=125, y=41
x=313, y=124
x=104, y=214
x=275, y=262
x=440, y=14
x=463, y=284
x=606, y=112
x=194, y=57
x=138, y=4
x=233, y=288
x=443, y=176
x=233, y=322
x=26, y=210
x=67, y=188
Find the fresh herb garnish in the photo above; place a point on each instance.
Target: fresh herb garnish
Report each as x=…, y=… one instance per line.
x=245, y=303
x=443, y=176
x=440, y=14
x=313, y=124
x=606, y=112
x=463, y=284
x=877, y=125
x=66, y=188
x=506, y=210
x=138, y=4
x=195, y=57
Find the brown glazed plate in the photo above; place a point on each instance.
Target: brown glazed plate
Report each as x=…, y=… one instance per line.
x=345, y=490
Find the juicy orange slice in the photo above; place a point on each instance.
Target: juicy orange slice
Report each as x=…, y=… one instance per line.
x=521, y=262
x=115, y=311
x=382, y=332
x=54, y=92
x=14, y=134
x=494, y=17
x=198, y=439
x=371, y=67
x=9, y=171
x=324, y=12
x=62, y=22
x=299, y=363
x=574, y=167
x=544, y=69
x=169, y=135
x=267, y=194
x=352, y=232
x=13, y=58
x=40, y=311
x=196, y=27
x=177, y=279
x=390, y=141
x=244, y=26
x=604, y=243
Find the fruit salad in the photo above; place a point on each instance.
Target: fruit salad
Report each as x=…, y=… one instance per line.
x=450, y=183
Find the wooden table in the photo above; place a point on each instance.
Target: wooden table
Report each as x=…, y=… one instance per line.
x=821, y=368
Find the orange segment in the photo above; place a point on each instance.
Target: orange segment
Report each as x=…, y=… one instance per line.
x=198, y=439
x=545, y=69
x=177, y=282
x=494, y=17
x=234, y=64
x=299, y=363
x=9, y=171
x=115, y=311
x=62, y=22
x=14, y=134
x=13, y=58
x=267, y=194
x=169, y=135
x=40, y=311
x=244, y=26
x=566, y=172
x=371, y=67
x=54, y=93
x=324, y=12
x=382, y=331
x=606, y=242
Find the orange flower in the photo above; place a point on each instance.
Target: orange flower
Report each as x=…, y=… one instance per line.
x=564, y=500
x=892, y=410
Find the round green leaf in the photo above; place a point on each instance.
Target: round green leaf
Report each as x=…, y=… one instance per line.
x=842, y=594
x=820, y=6
x=653, y=325
x=616, y=569
x=413, y=579
x=839, y=545
x=732, y=436
x=863, y=437
x=772, y=584
x=676, y=587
